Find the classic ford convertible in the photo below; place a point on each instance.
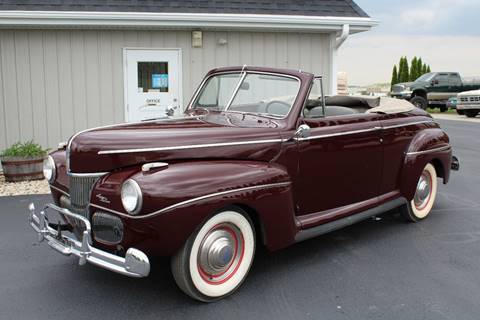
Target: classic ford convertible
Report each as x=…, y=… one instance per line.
x=260, y=157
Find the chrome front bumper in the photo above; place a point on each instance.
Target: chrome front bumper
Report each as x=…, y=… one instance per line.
x=135, y=264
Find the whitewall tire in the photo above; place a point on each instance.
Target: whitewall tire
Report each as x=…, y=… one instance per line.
x=216, y=258
x=426, y=191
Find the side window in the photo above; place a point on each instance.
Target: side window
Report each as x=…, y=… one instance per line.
x=313, y=106
x=441, y=78
x=454, y=79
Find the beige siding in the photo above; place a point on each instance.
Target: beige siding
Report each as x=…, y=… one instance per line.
x=56, y=82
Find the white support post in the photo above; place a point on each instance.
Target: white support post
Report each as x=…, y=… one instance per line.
x=335, y=43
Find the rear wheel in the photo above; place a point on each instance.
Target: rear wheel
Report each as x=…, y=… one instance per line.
x=419, y=102
x=421, y=204
x=471, y=113
x=443, y=108
x=460, y=112
x=216, y=259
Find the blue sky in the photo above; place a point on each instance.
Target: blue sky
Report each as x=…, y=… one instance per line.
x=445, y=33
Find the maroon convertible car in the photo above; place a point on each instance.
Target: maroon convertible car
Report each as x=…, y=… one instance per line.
x=260, y=157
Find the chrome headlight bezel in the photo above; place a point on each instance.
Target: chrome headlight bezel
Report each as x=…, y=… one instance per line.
x=131, y=196
x=49, y=169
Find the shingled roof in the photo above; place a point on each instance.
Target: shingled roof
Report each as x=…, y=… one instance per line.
x=323, y=8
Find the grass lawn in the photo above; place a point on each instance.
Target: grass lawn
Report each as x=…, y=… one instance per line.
x=437, y=110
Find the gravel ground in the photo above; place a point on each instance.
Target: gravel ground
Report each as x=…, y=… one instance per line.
x=23, y=188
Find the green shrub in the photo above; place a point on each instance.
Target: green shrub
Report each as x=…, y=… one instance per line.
x=26, y=149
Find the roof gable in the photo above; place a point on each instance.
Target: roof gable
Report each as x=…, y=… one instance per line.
x=330, y=8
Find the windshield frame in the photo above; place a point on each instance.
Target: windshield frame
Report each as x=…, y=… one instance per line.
x=242, y=75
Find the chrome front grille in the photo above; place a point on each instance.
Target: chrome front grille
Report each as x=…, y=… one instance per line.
x=470, y=99
x=398, y=88
x=80, y=188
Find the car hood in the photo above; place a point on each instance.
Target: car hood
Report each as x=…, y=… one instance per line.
x=470, y=93
x=214, y=136
x=405, y=84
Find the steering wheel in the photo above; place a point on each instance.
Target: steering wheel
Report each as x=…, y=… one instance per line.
x=277, y=107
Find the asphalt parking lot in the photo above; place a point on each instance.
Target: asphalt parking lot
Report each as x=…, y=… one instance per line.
x=378, y=269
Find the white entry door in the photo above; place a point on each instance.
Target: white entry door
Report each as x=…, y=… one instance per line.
x=152, y=83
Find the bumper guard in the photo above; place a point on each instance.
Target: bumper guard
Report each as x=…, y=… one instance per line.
x=135, y=264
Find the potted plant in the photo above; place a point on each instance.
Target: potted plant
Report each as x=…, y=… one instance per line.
x=23, y=161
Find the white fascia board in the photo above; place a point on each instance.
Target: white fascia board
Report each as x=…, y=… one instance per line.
x=182, y=20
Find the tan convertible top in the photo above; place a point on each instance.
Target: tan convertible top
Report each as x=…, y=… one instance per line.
x=371, y=104
x=391, y=105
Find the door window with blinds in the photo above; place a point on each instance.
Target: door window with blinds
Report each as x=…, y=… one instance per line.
x=152, y=76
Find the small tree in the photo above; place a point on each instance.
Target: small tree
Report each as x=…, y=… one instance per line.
x=419, y=68
x=413, y=69
x=428, y=69
x=394, y=76
x=405, y=74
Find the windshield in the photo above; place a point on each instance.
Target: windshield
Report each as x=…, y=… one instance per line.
x=426, y=77
x=257, y=93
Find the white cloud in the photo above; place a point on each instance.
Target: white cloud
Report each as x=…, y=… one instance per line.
x=423, y=18
x=369, y=58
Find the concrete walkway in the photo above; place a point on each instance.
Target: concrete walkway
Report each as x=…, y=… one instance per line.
x=456, y=117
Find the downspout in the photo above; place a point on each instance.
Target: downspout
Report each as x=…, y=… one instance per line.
x=345, y=33
x=335, y=44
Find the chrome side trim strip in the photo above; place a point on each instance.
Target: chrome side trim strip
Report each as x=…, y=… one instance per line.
x=60, y=190
x=428, y=151
x=224, y=144
x=179, y=204
x=408, y=124
x=336, y=134
x=193, y=146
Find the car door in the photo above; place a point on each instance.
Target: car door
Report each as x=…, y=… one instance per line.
x=340, y=163
x=439, y=87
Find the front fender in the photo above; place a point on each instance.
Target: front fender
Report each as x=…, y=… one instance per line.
x=177, y=199
x=428, y=145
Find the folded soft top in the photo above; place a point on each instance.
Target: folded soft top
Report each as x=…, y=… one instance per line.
x=372, y=104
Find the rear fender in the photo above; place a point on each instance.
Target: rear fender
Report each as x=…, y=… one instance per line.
x=427, y=146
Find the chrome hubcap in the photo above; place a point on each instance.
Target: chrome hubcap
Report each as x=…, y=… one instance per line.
x=220, y=253
x=424, y=188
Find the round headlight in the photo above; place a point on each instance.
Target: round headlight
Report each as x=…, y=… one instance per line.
x=131, y=196
x=49, y=169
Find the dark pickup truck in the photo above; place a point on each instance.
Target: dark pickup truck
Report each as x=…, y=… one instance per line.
x=433, y=89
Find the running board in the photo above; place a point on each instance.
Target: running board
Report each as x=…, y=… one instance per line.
x=344, y=222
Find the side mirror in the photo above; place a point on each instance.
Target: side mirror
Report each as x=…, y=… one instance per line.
x=303, y=131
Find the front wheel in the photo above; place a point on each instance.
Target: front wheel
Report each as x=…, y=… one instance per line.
x=419, y=102
x=471, y=113
x=443, y=108
x=421, y=204
x=216, y=259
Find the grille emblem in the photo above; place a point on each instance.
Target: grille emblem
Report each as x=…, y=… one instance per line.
x=102, y=198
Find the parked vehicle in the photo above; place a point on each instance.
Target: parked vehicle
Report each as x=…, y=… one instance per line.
x=433, y=89
x=259, y=158
x=469, y=103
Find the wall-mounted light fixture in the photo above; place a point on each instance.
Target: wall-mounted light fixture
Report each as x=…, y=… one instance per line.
x=222, y=41
x=197, y=39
